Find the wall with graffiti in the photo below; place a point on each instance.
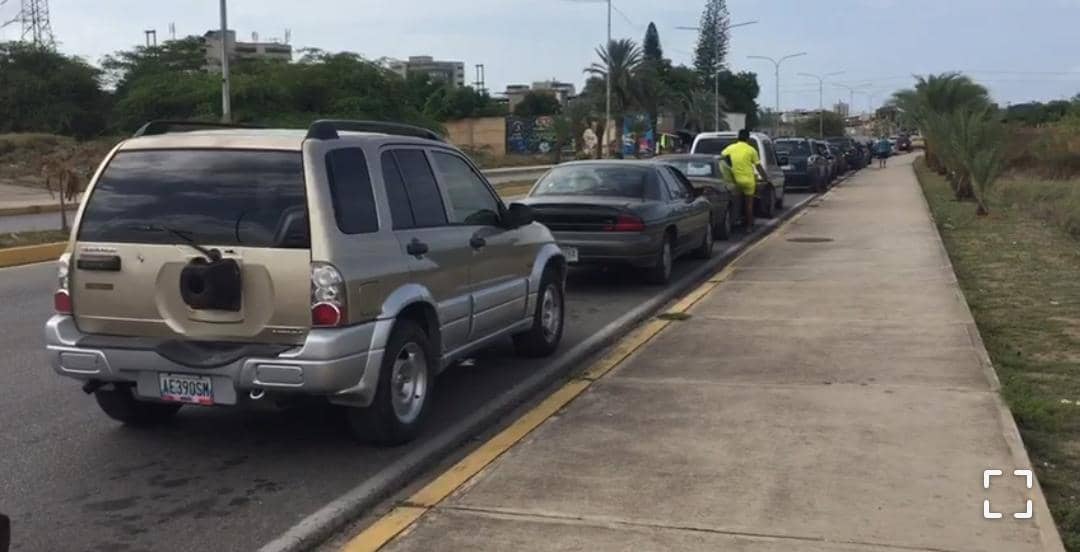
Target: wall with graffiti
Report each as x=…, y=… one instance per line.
x=530, y=135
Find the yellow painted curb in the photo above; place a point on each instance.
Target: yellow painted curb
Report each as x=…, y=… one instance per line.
x=403, y=516
x=15, y=256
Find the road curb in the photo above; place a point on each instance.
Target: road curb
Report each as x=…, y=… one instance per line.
x=27, y=254
x=32, y=210
x=324, y=523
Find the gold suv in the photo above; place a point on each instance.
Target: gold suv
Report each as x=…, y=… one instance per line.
x=211, y=265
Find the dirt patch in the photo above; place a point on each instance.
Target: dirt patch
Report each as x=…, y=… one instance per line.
x=22, y=156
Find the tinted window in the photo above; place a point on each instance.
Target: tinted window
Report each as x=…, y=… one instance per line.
x=350, y=190
x=400, y=209
x=798, y=147
x=424, y=197
x=713, y=145
x=471, y=202
x=215, y=197
x=693, y=167
x=600, y=180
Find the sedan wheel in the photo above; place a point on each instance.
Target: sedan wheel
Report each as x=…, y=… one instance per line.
x=723, y=228
x=661, y=272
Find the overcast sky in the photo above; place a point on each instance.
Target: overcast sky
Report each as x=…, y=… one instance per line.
x=1022, y=50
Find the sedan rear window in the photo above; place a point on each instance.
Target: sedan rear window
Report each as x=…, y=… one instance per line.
x=799, y=147
x=213, y=197
x=600, y=180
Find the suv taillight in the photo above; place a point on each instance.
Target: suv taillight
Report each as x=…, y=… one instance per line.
x=328, y=301
x=62, y=297
x=626, y=223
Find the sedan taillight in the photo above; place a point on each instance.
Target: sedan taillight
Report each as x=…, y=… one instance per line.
x=626, y=223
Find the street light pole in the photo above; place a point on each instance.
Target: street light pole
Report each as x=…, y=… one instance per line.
x=716, y=72
x=776, y=63
x=607, y=93
x=226, y=107
x=821, y=97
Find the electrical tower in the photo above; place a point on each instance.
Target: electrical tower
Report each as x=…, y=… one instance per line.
x=36, y=29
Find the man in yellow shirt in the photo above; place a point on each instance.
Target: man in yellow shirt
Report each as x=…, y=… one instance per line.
x=745, y=165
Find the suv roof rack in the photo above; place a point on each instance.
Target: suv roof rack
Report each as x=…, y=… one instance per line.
x=327, y=129
x=154, y=128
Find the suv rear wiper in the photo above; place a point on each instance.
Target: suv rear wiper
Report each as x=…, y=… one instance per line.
x=211, y=254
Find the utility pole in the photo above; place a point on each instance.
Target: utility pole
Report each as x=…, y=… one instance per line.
x=821, y=97
x=776, y=63
x=716, y=70
x=226, y=107
x=607, y=93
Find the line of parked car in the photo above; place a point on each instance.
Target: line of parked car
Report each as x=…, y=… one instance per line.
x=354, y=262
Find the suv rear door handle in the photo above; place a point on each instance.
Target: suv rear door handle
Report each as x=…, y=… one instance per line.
x=476, y=242
x=416, y=248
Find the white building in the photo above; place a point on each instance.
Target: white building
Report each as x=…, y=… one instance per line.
x=562, y=91
x=450, y=72
x=241, y=50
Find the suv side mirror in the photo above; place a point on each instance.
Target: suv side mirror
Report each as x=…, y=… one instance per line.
x=518, y=215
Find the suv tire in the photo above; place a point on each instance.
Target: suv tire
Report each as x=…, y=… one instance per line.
x=779, y=203
x=547, y=328
x=403, y=394
x=660, y=273
x=121, y=405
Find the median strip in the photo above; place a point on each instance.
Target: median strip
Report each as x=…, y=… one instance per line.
x=28, y=254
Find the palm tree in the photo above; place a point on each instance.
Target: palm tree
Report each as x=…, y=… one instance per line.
x=976, y=143
x=929, y=104
x=624, y=58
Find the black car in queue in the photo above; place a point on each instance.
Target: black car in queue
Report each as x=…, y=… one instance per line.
x=643, y=214
x=853, y=159
x=805, y=167
x=704, y=173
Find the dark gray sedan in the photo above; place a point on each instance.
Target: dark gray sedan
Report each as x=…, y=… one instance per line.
x=703, y=171
x=641, y=213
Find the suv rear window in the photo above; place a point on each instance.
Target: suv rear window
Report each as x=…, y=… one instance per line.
x=713, y=145
x=216, y=197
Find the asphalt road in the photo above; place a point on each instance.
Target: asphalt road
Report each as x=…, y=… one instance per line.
x=216, y=479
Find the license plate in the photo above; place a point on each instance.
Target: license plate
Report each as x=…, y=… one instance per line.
x=570, y=253
x=788, y=167
x=186, y=389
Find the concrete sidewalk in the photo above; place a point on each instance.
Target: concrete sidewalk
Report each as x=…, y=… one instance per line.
x=828, y=396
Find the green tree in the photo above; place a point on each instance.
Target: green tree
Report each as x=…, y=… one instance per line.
x=975, y=141
x=831, y=121
x=45, y=91
x=935, y=97
x=651, y=49
x=741, y=90
x=712, y=45
x=536, y=104
x=185, y=55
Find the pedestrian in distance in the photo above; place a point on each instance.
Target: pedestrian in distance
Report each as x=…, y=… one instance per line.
x=883, y=149
x=746, y=166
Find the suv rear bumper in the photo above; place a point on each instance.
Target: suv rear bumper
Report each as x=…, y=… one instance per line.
x=339, y=363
